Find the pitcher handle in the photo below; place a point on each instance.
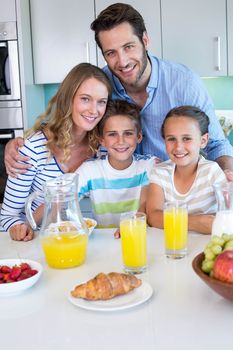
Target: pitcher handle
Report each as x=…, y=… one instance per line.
x=28, y=209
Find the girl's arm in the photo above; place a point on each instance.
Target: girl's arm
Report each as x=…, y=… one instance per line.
x=201, y=223
x=154, y=205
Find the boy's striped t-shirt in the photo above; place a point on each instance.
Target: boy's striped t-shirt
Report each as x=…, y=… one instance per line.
x=112, y=191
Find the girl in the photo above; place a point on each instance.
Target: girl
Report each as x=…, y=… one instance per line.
x=59, y=142
x=186, y=176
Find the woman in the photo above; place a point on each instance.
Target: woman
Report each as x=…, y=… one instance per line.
x=59, y=142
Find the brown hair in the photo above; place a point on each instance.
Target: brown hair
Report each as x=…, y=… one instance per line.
x=57, y=119
x=123, y=108
x=192, y=112
x=116, y=14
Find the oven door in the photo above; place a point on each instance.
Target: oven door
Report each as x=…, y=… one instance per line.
x=9, y=71
x=5, y=136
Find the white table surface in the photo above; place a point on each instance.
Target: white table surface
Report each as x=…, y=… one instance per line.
x=183, y=312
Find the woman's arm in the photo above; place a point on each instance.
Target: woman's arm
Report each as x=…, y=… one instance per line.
x=16, y=192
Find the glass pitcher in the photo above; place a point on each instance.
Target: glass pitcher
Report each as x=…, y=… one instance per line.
x=63, y=232
x=223, y=222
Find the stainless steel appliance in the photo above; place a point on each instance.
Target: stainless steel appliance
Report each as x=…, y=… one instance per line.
x=11, y=116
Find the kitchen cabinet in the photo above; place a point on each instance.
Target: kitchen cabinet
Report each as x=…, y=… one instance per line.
x=61, y=37
x=230, y=36
x=150, y=10
x=7, y=12
x=194, y=33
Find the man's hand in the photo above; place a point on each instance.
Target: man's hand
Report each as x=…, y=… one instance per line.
x=229, y=174
x=21, y=232
x=12, y=158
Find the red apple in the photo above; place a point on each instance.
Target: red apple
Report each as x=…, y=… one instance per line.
x=223, y=266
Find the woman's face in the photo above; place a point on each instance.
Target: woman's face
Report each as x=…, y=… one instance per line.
x=89, y=104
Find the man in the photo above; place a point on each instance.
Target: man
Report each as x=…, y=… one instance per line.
x=155, y=85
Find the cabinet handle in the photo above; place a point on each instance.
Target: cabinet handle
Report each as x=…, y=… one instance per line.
x=218, y=40
x=7, y=136
x=87, y=52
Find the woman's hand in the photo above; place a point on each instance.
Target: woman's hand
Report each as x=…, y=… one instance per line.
x=12, y=158
x=21, y=232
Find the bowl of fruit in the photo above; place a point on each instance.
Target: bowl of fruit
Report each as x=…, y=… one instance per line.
x=17, y=275
x=215, y=265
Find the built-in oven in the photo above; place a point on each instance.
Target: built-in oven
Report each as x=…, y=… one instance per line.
x=11, y=116
x=9, y=63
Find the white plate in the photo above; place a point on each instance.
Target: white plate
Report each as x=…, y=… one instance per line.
x=135, y=297
x=7, y=289
x=93, y=225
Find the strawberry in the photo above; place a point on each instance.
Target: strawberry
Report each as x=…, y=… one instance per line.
x=6, y=277
x=5, y=269
x=15, y=272
x=25, y=266
x=1, y=276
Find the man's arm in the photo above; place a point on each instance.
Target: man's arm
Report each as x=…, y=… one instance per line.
x=13, y=160
x=226, y=164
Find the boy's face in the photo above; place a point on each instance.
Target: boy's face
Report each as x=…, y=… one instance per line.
x=120, y=137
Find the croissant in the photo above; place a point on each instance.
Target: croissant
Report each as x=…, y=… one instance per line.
x=106, y=286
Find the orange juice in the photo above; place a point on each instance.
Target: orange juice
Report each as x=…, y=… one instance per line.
x=65, y=250
x=133, y=241
x=176, y=228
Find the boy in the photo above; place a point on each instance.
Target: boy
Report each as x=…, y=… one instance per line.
x=117, y=182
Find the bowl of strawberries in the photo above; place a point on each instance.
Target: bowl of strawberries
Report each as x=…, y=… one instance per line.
x=17, y=275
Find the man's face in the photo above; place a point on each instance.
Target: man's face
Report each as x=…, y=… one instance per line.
x=125, y=54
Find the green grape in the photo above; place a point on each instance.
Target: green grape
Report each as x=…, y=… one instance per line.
x=209, y=244
x=217, y=240
x=207, y=265
x=226, y=237
x=216, y=249
x=209, y=255
x=229, y=245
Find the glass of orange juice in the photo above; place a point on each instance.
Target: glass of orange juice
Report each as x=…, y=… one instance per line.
x=175, y=216
x=133, y=242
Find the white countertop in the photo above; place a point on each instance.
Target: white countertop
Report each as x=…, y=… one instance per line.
x=182, y=314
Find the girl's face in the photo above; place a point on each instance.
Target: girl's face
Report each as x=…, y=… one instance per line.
x=120, y=137
x=183, y=140
x=89, y=104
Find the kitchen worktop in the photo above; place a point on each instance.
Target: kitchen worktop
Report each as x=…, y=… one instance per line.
x=183, y=313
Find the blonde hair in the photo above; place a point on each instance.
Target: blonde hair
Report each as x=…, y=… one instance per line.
x=57, y=119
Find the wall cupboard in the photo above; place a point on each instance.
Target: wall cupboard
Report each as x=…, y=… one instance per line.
x=61, y=37
x=230, y=35
x=196, y=33
x=7, y=12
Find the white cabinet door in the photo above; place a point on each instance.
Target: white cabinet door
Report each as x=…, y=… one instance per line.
x=150, y=10
x=61, y=37
x=7, y=11
x=230, y=36
x=194, y=33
